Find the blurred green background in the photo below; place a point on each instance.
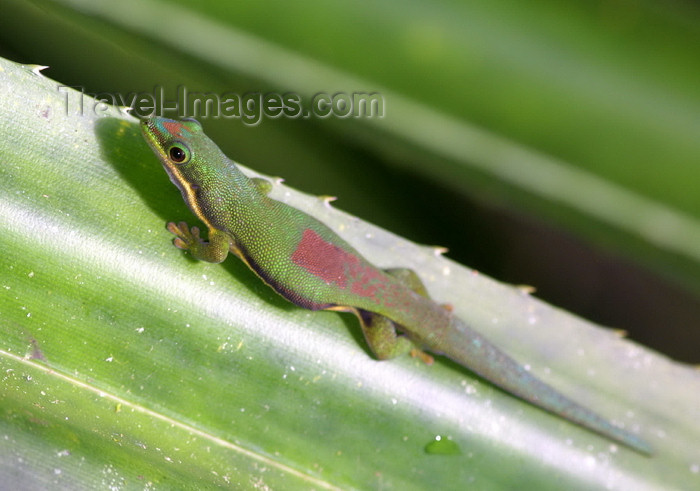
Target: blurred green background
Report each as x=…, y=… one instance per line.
x=547, y=143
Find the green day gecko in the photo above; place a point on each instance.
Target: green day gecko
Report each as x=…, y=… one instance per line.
x=308, y=264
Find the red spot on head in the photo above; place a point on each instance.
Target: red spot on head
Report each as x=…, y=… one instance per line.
x=174, y=128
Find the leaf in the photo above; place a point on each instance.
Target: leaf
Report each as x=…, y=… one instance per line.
x=126, y=365
x=510, y=132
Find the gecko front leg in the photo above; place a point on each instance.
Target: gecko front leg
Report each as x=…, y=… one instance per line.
x=214, y=251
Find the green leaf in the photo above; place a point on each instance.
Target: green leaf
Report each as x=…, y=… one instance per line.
x=127, y=365
x=511, y=131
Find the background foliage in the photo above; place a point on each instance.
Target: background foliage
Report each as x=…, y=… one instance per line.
x=516, y=128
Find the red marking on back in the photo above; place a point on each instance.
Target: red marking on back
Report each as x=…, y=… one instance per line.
x=333, y=264
x=322, y=259
x=369, y=281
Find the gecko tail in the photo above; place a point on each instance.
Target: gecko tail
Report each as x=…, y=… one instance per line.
x=483, y=358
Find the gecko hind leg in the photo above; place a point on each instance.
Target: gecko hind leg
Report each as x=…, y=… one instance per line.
x=385, y=342
x=381, y=333
x=381, y=336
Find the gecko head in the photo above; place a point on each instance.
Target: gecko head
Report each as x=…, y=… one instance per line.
x=172, y=140
x=189, y=157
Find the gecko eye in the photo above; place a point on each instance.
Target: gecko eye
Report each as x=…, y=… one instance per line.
x=179, y=154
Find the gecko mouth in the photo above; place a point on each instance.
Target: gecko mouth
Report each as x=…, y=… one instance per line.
x=154, y=135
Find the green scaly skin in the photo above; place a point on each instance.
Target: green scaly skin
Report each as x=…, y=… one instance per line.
x=308, y=264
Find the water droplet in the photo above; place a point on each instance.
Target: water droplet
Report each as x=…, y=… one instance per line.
x=442, y=446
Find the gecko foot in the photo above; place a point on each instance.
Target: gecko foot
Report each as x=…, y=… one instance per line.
x=448, y=307
x=423, y=356
x=185, y=237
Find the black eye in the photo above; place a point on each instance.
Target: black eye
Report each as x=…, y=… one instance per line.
x=178, y=154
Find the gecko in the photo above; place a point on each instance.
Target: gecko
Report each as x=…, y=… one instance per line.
x=308, y=264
